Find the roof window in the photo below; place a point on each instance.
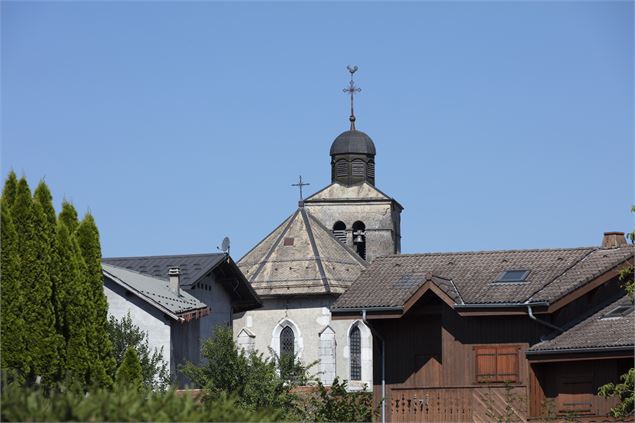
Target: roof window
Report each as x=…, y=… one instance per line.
x=619, y=311
x=511, y=276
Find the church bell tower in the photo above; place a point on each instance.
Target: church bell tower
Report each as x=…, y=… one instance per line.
x=357, y=213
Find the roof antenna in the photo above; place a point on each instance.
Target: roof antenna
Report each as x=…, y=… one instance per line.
x=352, y=89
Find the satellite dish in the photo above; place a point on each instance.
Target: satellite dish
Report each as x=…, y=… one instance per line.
x=225, y=245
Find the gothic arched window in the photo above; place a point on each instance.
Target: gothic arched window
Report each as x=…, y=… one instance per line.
x=355, y=342
x=339, y=231
x=287, y=341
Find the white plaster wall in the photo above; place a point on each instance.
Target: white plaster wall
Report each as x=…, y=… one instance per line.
x=157, y=328
x=310, y=316
x=215, y=296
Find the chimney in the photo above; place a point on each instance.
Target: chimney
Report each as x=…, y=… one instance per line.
x=175, y=278
x=613, y=240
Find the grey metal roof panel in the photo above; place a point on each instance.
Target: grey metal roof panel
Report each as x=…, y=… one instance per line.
x=474, y=274
x=193, y=266
x=153, y=290
x=593, y=331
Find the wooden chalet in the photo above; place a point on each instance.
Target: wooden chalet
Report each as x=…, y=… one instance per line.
x=479, y=336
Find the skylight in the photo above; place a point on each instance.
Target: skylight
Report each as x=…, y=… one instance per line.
x=510, y=276
x=618, y=311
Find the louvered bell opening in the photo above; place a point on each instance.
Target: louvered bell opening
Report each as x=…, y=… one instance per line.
x=340, y=235
x=358, y=169
x=370, y=170
x=341, y=168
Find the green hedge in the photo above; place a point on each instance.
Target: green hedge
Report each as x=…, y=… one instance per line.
x=121, y=404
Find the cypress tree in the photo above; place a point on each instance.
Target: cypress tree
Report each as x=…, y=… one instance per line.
x=103, y=365
x=71, y=303
x=45, y=236
x=35, y=284
x=11, y=323
x=9, y=191
x=68, y=216
x=129, y=373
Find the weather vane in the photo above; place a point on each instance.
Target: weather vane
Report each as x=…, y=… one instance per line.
x=300, y=184
x=352, y=89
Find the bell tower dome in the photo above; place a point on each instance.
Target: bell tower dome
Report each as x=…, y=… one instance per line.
x=353, y=158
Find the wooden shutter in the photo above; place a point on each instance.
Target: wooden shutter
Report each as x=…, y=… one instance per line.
x=497, y=363
x=575, y=393
x=507, y=364
x=485, y=364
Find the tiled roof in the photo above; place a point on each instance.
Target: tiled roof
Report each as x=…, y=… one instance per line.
x=594, y=331
x=154, y=291
x=301, y=257
x=192, y=266
x=552, y=272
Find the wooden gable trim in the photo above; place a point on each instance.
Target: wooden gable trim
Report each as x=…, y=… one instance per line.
x=586, y=288
x=427, y=286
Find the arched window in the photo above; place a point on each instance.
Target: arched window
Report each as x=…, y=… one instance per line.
x=355, y=343
x=287, y=341
x=339, y=231
x=359, y=238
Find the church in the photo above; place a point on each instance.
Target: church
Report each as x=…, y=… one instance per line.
x=313, y=256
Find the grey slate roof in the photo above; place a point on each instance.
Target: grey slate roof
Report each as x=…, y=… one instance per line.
x=593, y=332
x=155, y=292
x=552, y=273
x=192, y=266
x=311, y=262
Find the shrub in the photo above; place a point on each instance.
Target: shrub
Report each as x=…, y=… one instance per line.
x=123, y=404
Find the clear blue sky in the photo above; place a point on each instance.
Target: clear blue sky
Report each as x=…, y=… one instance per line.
x=498, y=125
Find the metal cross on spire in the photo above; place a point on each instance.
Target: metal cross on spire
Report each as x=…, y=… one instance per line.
x=352, y=89
x=300, y=184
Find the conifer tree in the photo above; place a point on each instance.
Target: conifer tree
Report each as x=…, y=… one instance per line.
x=9, y=191
x=68, y=216
x=11, y=322
x=129, y=373
x=35, y=285
x=71, y=302
x=103, y=365
x=45, y=237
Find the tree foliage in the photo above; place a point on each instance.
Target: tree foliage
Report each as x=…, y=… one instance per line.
x=129, y=372
x=250, y=377
x=336, y=404
x=124, y=334
x=624, y=391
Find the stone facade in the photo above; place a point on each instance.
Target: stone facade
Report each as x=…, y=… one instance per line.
x=317, y=338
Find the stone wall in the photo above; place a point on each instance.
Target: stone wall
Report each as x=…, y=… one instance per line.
x=315, y=335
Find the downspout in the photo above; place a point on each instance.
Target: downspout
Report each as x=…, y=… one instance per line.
x=543, y=322
x=383, y=366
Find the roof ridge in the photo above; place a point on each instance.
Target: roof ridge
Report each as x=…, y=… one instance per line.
x=560, y=275
x=314, y=249
x=440, y=253
x=137, y=272
x=161, y=256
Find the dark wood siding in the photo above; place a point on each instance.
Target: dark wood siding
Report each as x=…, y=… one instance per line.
x=444, y=367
